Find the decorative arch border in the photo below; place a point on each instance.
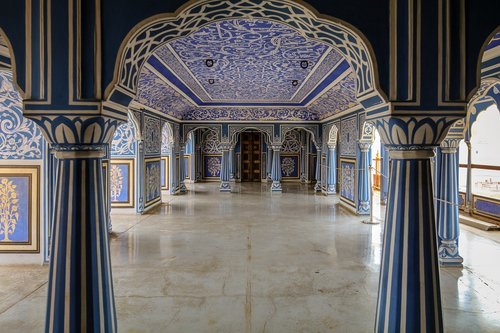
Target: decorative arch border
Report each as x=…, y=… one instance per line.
x=479, y=79
x=150, y=33
x=333, y=133
x=13, y=66
x=485, y=94
x=188, y=128
x=312, y=129
x=170, y=132
x=267, y=130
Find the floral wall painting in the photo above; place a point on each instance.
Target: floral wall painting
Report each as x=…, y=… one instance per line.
x=290, y=166
x=153, y=180
x=121, y=183
x=20, y=209
x=347, y=180
x=212, y=166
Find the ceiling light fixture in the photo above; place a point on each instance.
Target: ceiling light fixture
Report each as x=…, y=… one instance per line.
x=295, y=83
x=209, y=62
x=304, y=64
x=211, y=81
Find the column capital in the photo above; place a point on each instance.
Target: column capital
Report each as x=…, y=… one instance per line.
x=411, y=132
x=364, y=146
x=449, y=146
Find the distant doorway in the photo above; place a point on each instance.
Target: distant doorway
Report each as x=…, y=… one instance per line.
x=251, y=143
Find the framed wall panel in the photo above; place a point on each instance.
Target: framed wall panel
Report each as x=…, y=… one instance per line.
x=165, y=172
x=290, y=166
x=20, y=209
x=212, y=167
x=348, y=181
x=122, y=183
x=487, y=207
x=187, y=166
x=152, y=183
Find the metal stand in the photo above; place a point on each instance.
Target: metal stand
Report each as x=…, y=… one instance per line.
x=372, y=219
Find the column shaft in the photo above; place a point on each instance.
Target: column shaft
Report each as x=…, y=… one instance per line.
x=409, y=293
x=276, y=170
x=332, y=171
x=317, y=186
x=384, y=177
x=364, y=181
x=182, y=170
x=231, y=164
x=448, y=216
x=80, y=285
x=225, y=186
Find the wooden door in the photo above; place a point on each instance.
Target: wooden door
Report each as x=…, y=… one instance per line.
x=250, y=156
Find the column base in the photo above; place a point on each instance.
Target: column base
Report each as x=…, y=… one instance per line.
x=331, y=190
x=225, y=186
x=276, y=186
x=317, y=187
x=448, y=254
x=364, y=208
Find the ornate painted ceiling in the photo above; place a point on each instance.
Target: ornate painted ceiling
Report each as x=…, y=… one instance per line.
x=257, y=70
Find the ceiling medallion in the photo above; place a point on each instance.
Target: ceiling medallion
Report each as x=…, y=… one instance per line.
x=209, y=62
x=295, y=83
x=304, y=64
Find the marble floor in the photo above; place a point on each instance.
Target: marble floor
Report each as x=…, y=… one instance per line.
x=252, y=261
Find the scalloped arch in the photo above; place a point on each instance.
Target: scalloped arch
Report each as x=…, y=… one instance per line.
x=149, y=34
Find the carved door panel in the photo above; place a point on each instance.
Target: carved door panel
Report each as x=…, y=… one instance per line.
x=250, y=156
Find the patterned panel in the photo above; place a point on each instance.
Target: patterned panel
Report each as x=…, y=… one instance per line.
x=251, y=114
x=211, y=143
x=166, y=139
x=340, y=97
x=121, y=183
x=290, y=166
x=123, y=143
x=212, y=166
x=152, y=135
x=165, y=172
x=348, y=137
x=154, y=92
x=153, y=181
x=486, y=206
x=347, y=180
x=20, y=138
x=256, y=60
x=19, y=209
x=291, y=142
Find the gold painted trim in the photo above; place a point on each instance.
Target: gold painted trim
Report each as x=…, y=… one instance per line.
x=78, y=154
x=33, y=174
x=131, y=182
x=411, y=154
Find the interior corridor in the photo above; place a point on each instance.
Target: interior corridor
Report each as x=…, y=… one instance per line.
x=254, y=261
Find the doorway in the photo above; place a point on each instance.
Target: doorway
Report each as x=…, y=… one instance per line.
x=251, y=143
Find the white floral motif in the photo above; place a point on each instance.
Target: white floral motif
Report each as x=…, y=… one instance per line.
x=123, y=143
x=116, y=182
x=287, y=166
x=213, y=166
x=291, y=143
x=20, y=138
x=211, y=143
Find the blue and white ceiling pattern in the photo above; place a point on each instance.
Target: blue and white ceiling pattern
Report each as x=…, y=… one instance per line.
x=256, y=70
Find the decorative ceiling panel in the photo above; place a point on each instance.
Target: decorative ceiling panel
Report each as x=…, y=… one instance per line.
x=254, y=60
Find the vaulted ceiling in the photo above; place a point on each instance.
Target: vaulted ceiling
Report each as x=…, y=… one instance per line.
x=247, y=70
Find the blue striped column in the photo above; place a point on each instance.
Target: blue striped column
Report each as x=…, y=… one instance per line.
x=303, y=157
x=140, y=160
x=317, y=186
x=384, y=177
x=231, y=164
x=182, y=170
x=225, y=186
x=173, y=171
x=276, y=169
x=448, y=218
x=269, y=162
x=409, y=293
x=332, y=170
x=80, y=285
x=199, y=163
x=364, y=183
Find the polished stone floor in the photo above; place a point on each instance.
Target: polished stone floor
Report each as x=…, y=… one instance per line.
x=251, y=261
